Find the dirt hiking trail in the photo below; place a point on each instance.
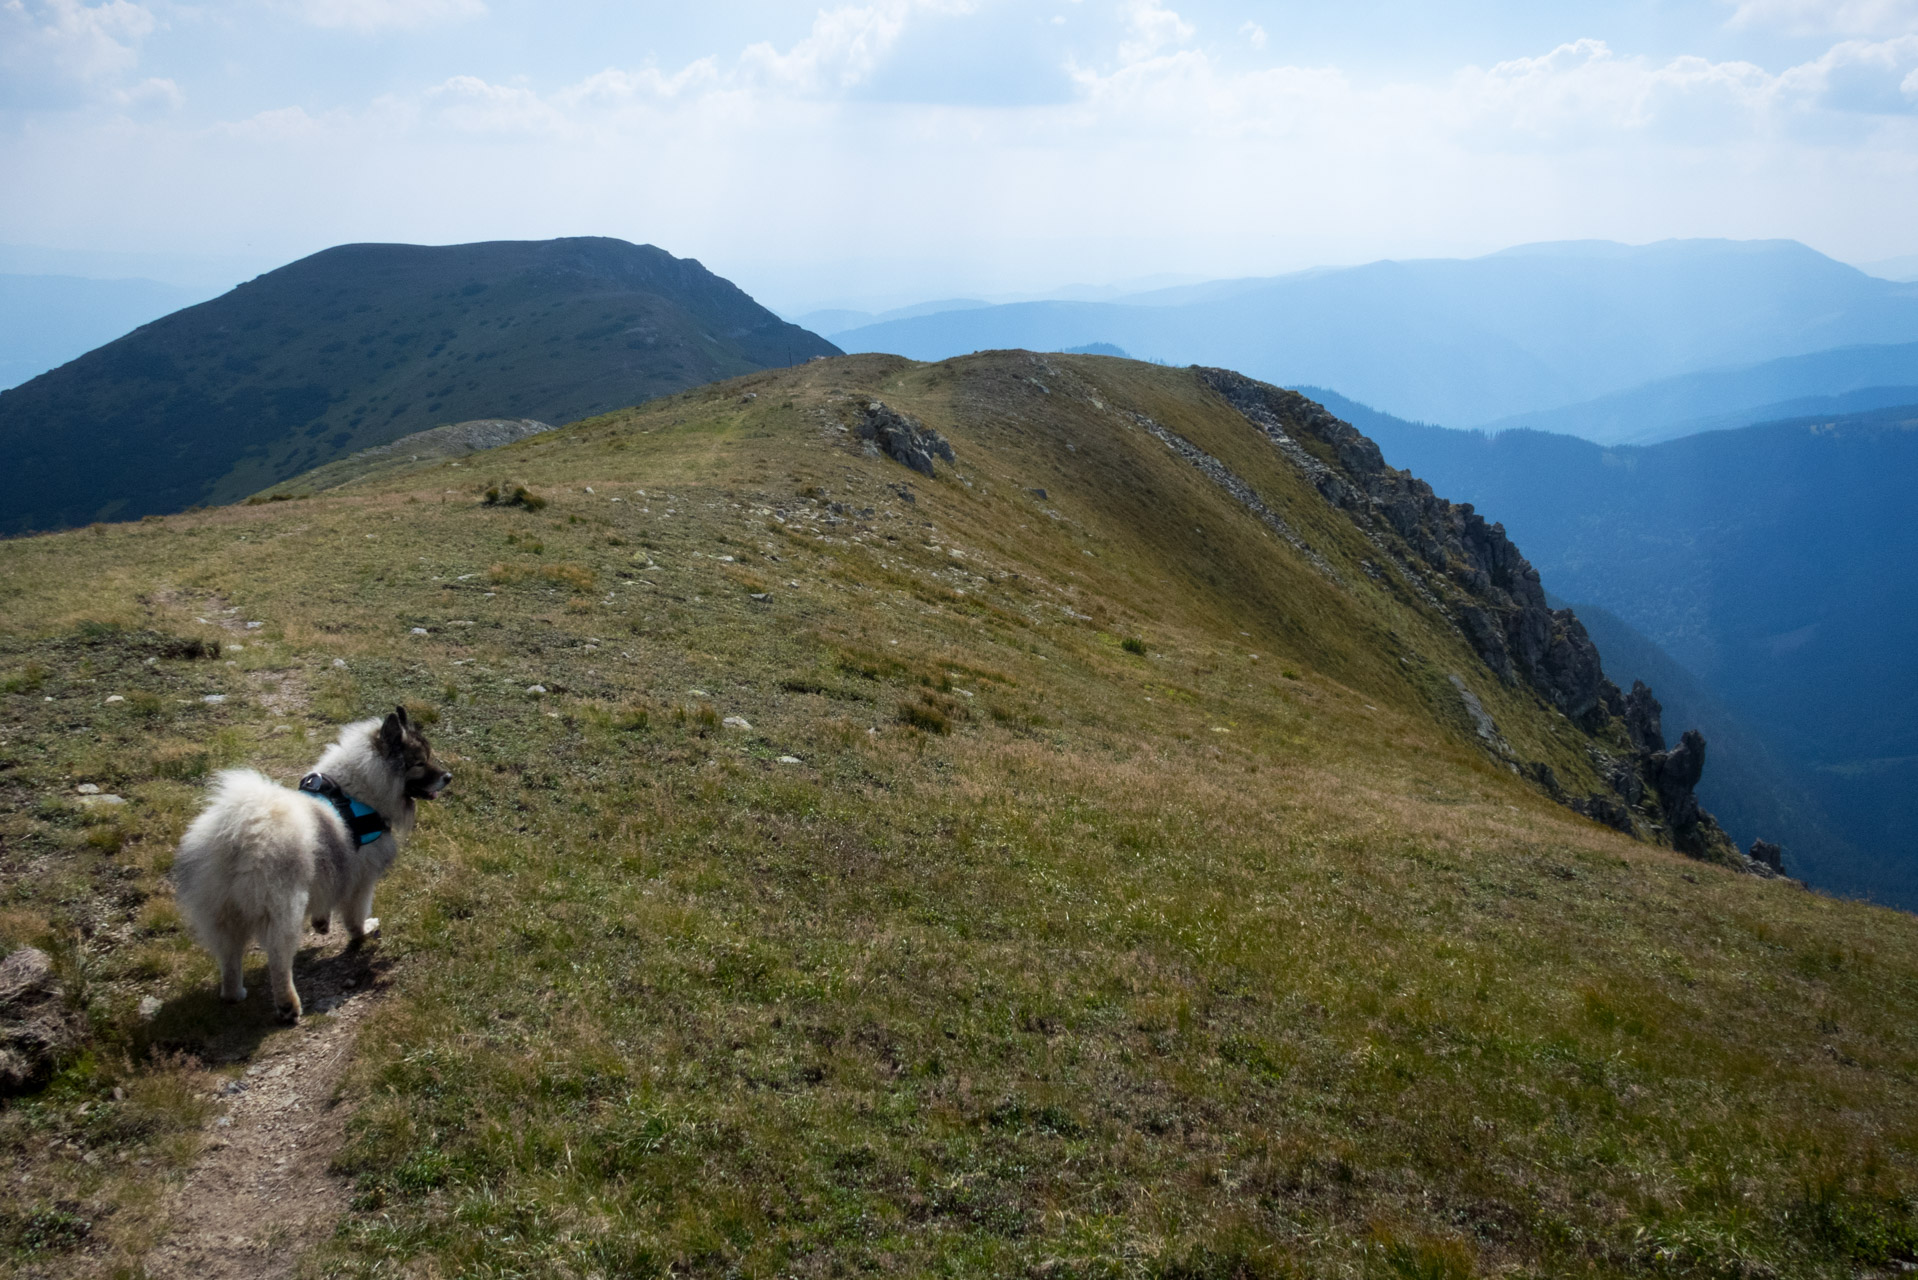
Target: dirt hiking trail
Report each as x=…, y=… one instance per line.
x=261, y=1196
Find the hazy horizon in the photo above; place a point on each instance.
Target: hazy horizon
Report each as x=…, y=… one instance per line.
x=903, y=150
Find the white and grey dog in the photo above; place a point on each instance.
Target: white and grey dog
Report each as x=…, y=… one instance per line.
x=263, y=859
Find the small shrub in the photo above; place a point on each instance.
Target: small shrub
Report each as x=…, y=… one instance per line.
x=498, y=495
x=25, y=680
x=422, y=713
x=932, y=712
x=53, y=1230
x=146, y=704
x=576, y=576
x=107, y=838
x=181, y=763
x=1132, y=644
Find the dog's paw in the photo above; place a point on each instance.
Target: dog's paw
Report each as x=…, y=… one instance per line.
x=288, y=1013
x=234, y=997
x=372, y=927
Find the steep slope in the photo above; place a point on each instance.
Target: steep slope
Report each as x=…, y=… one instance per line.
x=1069, y=856
x=361, y=344
x=47, y=320
x=1769, y=561
x=1469, y=342
x=1828, y=383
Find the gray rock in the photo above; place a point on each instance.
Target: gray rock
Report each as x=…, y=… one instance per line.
x=150, y=1007
x=903, y=438
x=1481, y=718
x=1642, y=719
x=36, y=1026
x=1765, y=853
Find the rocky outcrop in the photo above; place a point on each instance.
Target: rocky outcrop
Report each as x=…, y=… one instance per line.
x=36, y=1026
x=1450, y=557
x=902, y=438
x=1490, y=591
x=1767, y=854
x=1642, y=716
x=1675, y=775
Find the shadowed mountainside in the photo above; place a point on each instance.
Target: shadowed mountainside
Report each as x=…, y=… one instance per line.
x=1768, y=561
x=358, y=345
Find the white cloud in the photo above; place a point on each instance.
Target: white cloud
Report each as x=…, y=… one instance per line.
x=1253, y=34
x=1582, y=91
x=471, y=105
x=777, y=156
x=46, y=43
x=1152, y=28
x=1816, y=17
x=845, y=46
x=385, y=15
x=153, y=94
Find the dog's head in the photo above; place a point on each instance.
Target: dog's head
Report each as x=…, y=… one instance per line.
x=408, y=753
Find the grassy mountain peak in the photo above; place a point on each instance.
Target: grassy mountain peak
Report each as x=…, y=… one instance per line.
x=358, y=345
x=1080, y=861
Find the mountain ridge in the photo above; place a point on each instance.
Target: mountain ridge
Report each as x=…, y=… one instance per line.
x=358, y=345
x=1034, y=861
x=1470, y=341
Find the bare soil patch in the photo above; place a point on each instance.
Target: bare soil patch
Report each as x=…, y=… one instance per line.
x=262, y=1194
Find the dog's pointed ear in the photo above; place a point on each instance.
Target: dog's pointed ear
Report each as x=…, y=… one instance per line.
x=393, y=733
x=401, y=713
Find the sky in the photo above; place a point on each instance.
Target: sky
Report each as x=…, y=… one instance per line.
x=880, y=153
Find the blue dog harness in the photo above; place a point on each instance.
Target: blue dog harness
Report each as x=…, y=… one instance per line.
x=363, y=821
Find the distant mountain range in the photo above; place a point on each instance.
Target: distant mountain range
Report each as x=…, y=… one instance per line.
x=1842, y=381
x=1770, y=562
x=1475, y=342
x=357, y=346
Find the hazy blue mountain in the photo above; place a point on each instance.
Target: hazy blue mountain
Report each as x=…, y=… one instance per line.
x=359, y=345
x=1902, y=268
x=1841, y=381
x=1773, y=562
x=835, y=320
x=1469, y=342
x=47, y=320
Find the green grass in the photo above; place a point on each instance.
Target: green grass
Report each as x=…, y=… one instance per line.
x=1048, y=956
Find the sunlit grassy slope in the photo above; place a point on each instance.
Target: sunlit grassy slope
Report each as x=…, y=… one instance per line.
x=931, y=876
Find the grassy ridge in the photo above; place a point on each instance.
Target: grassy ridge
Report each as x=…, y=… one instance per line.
x=993, y=944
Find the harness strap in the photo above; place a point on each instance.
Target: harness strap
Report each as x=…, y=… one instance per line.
x=363, y=821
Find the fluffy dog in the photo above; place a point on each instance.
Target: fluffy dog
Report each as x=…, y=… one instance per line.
x=262, y=859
